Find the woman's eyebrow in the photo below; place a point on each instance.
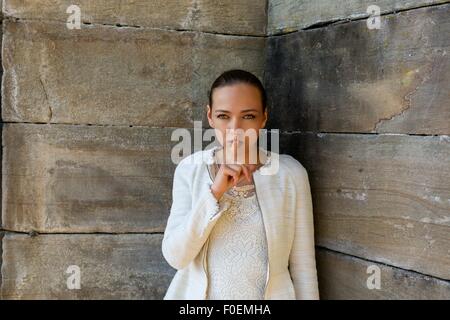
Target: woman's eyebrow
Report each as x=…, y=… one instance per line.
x=246, y=110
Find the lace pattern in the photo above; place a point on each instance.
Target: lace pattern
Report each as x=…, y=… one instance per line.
x=237, y=252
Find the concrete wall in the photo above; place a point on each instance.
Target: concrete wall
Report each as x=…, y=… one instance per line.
x=88, y=115
x=367, y=111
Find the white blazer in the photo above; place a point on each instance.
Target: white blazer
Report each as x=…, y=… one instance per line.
x=285, y=201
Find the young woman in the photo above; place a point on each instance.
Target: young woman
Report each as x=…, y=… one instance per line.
x=236, y=231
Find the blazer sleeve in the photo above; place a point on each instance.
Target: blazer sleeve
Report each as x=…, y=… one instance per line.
x=190, y=220
x=302, y=262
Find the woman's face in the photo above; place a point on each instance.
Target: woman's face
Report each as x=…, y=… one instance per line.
x=237, y=113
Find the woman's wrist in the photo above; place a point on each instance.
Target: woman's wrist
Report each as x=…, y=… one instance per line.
x=216, y=193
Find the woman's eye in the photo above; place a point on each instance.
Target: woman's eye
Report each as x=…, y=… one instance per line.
x=224, y=116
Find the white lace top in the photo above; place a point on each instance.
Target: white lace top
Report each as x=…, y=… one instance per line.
x=237, y=251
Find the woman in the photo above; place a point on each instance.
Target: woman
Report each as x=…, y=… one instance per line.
x=237, y=230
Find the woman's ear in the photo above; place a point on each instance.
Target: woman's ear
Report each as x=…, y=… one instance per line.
x=208, y=115
x=265, y=119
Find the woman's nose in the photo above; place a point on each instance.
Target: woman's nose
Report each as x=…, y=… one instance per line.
x=234, y=132
x=234, y=125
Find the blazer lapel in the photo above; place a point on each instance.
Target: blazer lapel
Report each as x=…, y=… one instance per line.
x=264, y=203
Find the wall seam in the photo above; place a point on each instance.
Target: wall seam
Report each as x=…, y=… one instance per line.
x=121, y=26
x=383, y=264
x=340, y=21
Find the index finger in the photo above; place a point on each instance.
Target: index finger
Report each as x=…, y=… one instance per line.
x=246, y=172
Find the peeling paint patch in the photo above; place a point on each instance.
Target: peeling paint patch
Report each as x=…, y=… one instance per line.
x=360, y=196
x=442, y=220
x=432, y=198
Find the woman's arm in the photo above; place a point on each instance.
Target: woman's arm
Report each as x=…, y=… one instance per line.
x=302, y=262
x=190, y=222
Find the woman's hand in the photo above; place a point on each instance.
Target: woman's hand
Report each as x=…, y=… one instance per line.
x=229, y=176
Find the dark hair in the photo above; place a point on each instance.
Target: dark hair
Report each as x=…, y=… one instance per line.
x=235, y=76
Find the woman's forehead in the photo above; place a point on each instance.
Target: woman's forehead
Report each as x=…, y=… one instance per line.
x=234, y=98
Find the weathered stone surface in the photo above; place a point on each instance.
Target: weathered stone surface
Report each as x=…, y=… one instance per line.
x=290, y=15
x=380, y=197
x=345, y=277
x=64, y=178
x=347, y=78
x=120, y=76
x=1, y=255
x=127, y=266
x=231, y=16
